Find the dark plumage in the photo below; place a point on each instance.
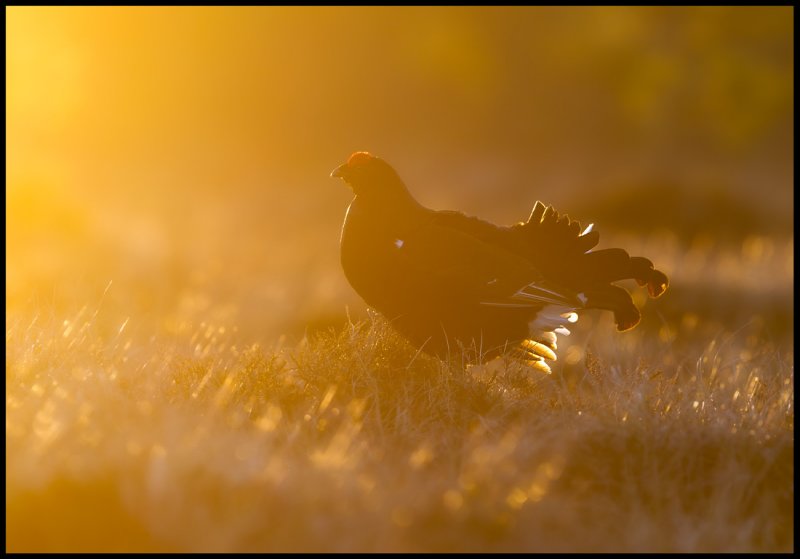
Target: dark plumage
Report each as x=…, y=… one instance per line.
x=447, y=281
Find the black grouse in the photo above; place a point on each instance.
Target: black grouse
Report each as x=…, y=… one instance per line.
x=447, y=281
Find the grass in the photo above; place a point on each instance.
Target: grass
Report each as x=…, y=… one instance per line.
x=181, y=374
x=350, y=440
x=169, y=388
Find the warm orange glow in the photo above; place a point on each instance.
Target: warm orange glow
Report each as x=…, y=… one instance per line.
x=172, y=274
x=358, y=158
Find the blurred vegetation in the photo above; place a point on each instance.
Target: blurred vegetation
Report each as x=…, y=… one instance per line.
x=168, y=207
x=353, y=441
x=709, y=211
x=181, y=145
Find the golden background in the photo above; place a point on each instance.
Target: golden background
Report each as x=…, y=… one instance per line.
x=168, y=201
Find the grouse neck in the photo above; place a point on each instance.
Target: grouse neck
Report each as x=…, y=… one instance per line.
x=397, y=200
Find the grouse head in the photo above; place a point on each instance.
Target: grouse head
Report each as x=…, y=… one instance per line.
x=371, y=177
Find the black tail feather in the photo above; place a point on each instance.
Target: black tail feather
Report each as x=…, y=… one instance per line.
x=615, y=299
x=550, y=235
x=555, y=245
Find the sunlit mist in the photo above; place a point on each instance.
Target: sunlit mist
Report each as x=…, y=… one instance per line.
x=188, y=369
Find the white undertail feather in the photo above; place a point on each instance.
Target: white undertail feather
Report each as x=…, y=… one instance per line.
x=540, y=349
x=539, y=365
x=552, y=317
x=557, y=311
x=541, y=345
x=548, y=338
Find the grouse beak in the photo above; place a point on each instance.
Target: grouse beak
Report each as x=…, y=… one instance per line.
x=339, y=171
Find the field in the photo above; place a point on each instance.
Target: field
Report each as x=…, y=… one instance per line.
x=188, y=370
x=172, y=432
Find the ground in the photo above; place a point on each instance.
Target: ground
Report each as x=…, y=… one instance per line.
x=154, y=433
